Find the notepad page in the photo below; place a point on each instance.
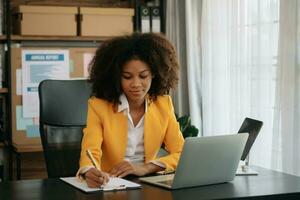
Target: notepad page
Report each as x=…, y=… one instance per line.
x=113, y=184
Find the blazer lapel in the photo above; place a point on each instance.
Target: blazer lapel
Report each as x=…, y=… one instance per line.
x=122, y=131
x=152, y=133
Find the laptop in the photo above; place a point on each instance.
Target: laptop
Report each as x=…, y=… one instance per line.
x=204, y=161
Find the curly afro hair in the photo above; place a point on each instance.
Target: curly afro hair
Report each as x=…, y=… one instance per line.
x=153, y=49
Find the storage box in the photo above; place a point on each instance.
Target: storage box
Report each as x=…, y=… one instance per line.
x=45, y=20
x=105, y=21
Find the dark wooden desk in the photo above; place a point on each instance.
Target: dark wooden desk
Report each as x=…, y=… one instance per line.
x=267, y=185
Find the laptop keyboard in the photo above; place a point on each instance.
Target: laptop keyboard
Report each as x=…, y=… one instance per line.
x=167, y=182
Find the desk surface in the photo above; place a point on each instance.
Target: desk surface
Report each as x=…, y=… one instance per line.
x=267, y=184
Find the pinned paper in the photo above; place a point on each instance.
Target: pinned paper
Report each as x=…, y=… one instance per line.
x=32, y=131
x=72, y=65
x=36, y=120
x=19, y=81
x=87, y=58
x=38, y=65
x=22, y=122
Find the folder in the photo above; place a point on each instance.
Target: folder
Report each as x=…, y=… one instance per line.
x=114, y=183
x=155, y=15
x=145, y=19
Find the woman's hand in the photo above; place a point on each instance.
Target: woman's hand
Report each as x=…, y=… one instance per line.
x=125, y=168
x=95, y=178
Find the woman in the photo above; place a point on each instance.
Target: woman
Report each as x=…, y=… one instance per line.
x=130, y=114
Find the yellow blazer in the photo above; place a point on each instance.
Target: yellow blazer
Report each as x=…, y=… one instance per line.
x=106, y=133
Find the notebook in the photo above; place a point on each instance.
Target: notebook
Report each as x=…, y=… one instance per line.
x=204, y=161
x=113, y=184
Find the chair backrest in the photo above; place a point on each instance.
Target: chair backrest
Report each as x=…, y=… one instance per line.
x=63, y=111
x=1, y=171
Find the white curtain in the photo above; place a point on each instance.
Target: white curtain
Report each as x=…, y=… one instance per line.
x=247, y=66
x=193, y=10
x=175, y=31
x=239, y=68
x=183, y=29
x=246, y=73
x=286, y=132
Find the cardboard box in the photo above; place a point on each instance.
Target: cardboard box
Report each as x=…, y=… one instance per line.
x=45, y=20
x=105, y=21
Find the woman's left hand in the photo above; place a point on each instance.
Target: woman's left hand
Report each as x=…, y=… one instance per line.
x=125, y=168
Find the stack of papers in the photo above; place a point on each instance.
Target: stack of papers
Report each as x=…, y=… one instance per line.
x=113, y=184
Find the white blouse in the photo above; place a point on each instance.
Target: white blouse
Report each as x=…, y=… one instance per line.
x=135, y=152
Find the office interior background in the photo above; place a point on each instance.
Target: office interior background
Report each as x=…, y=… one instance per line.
x=238, y=58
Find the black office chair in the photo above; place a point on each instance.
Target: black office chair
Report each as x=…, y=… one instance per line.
x=1, y=170
x=63, y=110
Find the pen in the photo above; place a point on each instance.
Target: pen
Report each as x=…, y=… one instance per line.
x=91, y=157
x=113, y=188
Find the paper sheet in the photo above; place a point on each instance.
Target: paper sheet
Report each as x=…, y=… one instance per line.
x=87, y=58
x=22, y=122
x=32, y=131
x=19, y=81
x=38, y=65
x=113, y=184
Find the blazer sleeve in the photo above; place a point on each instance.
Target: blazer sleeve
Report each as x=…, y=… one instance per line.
x=173, y=140
x=92, y=138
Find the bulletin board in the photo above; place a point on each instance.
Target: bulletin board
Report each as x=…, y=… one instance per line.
x=25, y=131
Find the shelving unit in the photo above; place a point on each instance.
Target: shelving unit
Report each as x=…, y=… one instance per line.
x=18, y=38
x=10, y=40
x=3, y=90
